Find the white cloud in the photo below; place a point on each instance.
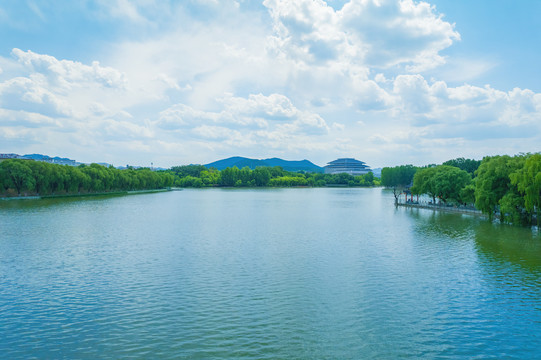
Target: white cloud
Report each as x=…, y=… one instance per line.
x=66, y=74
x=257, y=111
x=468, y=112
x=24, y=119
x=30, y=95
x=274, y=106
x=218, y=133
x=399, y=32
x=374, y=33
x=291, y=78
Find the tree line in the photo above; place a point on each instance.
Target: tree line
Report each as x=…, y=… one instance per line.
x=506, y=187
x=27, y=177
x=201, y=176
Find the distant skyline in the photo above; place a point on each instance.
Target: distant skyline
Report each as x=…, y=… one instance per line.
x=387, y=82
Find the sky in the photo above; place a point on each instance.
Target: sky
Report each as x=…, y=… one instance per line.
x=165, y=82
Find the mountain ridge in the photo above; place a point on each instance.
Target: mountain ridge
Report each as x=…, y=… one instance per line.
x=288, y=165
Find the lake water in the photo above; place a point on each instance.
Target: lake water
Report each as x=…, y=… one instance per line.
x=333, y=273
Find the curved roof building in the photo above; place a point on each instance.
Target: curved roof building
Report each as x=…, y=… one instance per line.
x=347, y=165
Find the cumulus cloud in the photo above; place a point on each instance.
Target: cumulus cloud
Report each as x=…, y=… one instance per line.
x=257, y=111
x=372, y=33
x=25, y=119
x=467, y=112
x=67, y=74
x=307, y=31
x=32, y=96
x=306, y=78
x=274, y=106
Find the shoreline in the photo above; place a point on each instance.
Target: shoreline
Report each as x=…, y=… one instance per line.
x=443, y=208
x=111, y=193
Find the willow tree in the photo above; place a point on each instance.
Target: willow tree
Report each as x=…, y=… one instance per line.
x=423, y=182
x=397, y=178
x=468, y=165
x=493, y=182
x=528, y=181
x=443, y=181
x=18, y=174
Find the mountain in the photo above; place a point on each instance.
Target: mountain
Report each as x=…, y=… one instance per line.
x=240, y=162
x=44, y=157
x=377, y=172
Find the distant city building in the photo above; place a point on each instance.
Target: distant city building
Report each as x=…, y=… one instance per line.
x=9, y=156
x=40, y=157
x=51, y=160
x=347, y=165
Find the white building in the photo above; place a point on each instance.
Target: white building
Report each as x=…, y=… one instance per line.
x=347, y=165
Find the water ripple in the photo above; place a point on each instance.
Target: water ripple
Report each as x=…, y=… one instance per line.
x=307, y=274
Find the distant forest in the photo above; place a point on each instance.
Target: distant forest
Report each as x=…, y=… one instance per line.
x=506, y=187
x=27, y=177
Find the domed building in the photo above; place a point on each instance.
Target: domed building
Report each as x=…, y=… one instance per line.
x=347, y=165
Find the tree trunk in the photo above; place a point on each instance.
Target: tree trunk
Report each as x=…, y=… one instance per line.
x=396, y=194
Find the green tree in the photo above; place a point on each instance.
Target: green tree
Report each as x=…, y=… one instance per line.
x=368, y=179
x=528, y=181
x=210, y=177
x=41, y=172
x=493, y=182
x=397, y=178
x=467, y=194
x=19, y=174
x=276, y=171
x=191, y=181
x=512, y=209
x=245, y=176
x=468, y=165
x=424, y=182
x=230, y=176
x=185, y=170
x=262, y=176
x=449, y=181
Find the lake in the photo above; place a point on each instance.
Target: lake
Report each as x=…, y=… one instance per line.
x=323, y=273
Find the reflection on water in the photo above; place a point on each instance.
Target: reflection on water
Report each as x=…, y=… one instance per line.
x=509, y=244
x=272, y=273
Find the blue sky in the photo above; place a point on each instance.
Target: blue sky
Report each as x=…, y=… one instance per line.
x=175, y=82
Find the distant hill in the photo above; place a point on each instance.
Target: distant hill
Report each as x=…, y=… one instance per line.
x=44, y=157
x=240, y=162
x=377, y=172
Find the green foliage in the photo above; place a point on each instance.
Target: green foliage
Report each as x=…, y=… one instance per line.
x=443, y=181
x=32, y=177
x=528, y=182
x=191, y=181
x=423, y=182
x=493, y=182
x=262, y=176
x=468, y=165
x=287, y=181
x=210, y=177
x=506, y=186
x=398, y=178
x=229, y=176
x=17, y=175
x=467, y=194
x=191, y=170
x=512, y=205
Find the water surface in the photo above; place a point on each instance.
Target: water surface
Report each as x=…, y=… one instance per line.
x=275, y=273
